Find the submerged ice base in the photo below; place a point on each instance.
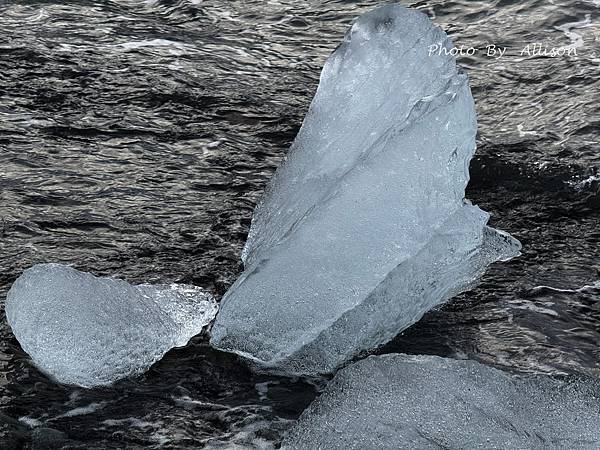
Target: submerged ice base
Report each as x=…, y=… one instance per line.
x=364, y=227
x=427, y=402
x=89, y=331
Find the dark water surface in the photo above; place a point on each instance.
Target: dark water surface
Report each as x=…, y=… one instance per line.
x=136, y=138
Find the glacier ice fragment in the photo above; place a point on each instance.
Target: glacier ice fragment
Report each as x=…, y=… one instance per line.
x=364, y=227
x=428, y=402
x=88, y=331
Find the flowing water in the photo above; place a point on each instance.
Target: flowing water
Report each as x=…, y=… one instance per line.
x=136, y=138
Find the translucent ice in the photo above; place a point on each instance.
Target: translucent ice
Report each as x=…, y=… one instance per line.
x=89, y=331
x=364, y=227
x=427, y=402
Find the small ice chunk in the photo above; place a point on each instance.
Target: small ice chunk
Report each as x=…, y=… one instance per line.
x=364, y=227
x=89, y=331
x=427, y=402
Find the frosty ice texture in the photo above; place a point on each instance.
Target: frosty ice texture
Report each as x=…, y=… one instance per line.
x=364, y=227
x=427, y=402
x=89, y=331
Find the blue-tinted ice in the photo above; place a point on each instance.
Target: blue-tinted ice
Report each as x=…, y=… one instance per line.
x=427, y=402
x=89, y=331
x=364, y=227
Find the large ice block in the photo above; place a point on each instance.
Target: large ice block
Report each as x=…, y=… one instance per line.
x=89, y=331
x=427, y=402
x=364, y=227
